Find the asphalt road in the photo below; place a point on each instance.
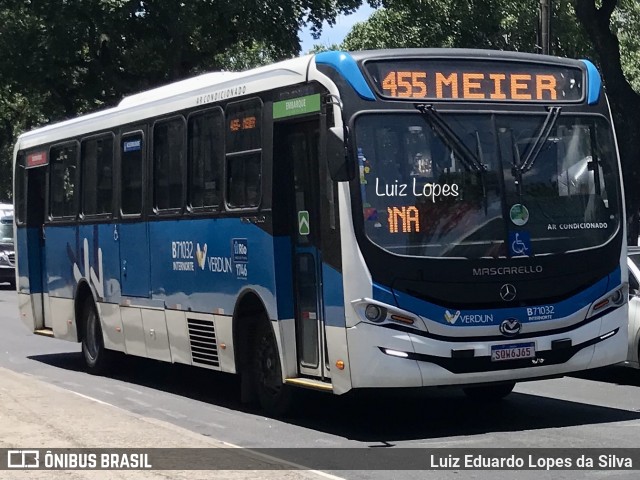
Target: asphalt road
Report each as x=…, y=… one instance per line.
x=598, y=409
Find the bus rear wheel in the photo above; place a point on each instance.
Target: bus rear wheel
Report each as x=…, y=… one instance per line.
x=489, y=392
x=274, y=396
x=93, y=351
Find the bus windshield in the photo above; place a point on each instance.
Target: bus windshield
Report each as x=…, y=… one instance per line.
x=526, y=186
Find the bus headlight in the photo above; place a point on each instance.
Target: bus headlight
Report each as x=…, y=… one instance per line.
x=4, y=259
x=617, y=297
x=375, y=313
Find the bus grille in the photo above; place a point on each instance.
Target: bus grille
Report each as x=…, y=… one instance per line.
x=204, y=347
x=12, y=258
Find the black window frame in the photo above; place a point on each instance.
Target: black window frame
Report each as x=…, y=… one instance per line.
x=152, y=160
x=242, y=154
x=124, y=135
x=221, y=167
x=114, y=145
x=76, y=194
x=20, y=194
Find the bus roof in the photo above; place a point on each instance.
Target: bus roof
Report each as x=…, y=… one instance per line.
x=176, y=96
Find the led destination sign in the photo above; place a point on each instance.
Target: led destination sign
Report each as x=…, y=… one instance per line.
x=476, y=80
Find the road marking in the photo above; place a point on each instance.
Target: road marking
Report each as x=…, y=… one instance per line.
x=282, y=461
x=72, y=384
x=139, y=402
x=216, y=425
x=122, y=387
x=90, y=398
x=103, y=390
x=170, y=413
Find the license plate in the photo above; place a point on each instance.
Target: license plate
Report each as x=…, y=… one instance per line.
x=514, y=351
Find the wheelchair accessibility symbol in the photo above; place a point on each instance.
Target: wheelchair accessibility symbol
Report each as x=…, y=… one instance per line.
x=520, y=244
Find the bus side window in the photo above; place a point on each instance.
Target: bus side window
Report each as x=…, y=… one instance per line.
x=131, y=174
x=206, y=154
x=169, y=164
x=244, y=153
x=97, y=175
x=63, y=199
x=243, y=180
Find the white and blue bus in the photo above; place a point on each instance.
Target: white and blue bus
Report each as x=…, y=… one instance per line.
x=380, y=219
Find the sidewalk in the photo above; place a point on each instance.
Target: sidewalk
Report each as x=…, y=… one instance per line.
x=35, y=414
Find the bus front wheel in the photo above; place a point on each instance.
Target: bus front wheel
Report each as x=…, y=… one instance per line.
x=489, y=392
x=93, y=351
x=274, y=396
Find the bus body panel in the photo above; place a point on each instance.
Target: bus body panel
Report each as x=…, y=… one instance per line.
x=112, y=328
x=135, y=259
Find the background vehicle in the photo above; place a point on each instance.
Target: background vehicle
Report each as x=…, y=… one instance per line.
x=7, y=252
x=405, y=218
x=6, y=209
x=634, y=306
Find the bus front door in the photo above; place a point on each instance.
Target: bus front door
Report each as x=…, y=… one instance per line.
x=300, y=145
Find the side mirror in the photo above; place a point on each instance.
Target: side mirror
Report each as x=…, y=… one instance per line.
x=338, y=160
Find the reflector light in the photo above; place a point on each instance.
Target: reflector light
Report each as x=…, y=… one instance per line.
x=400, y=318
x=602, y=303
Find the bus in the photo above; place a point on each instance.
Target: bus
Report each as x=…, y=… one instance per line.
x=339, y=221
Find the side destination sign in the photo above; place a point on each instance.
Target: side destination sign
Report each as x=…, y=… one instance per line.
x=296, y=106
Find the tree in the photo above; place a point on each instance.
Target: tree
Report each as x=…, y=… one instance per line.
x=60, y=59
x=625, y=102
x=493, y=24
x=626, y=24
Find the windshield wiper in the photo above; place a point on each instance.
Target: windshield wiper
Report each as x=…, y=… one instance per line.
x=481, y=160
x=538, y=143
x=458, y=147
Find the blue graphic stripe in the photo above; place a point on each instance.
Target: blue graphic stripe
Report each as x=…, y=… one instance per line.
x=383, y=294
x=474, y=318
x=594, y=83
x=348, y=68
x=333, y=296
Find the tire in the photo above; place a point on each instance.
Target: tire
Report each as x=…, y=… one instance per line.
x=274, y=396
x=96, y=357
x=489, y=393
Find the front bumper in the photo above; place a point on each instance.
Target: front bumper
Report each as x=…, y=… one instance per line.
x=431, y=362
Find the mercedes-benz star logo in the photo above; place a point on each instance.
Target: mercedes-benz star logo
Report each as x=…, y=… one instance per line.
x=507, y=292
x=510, y=327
